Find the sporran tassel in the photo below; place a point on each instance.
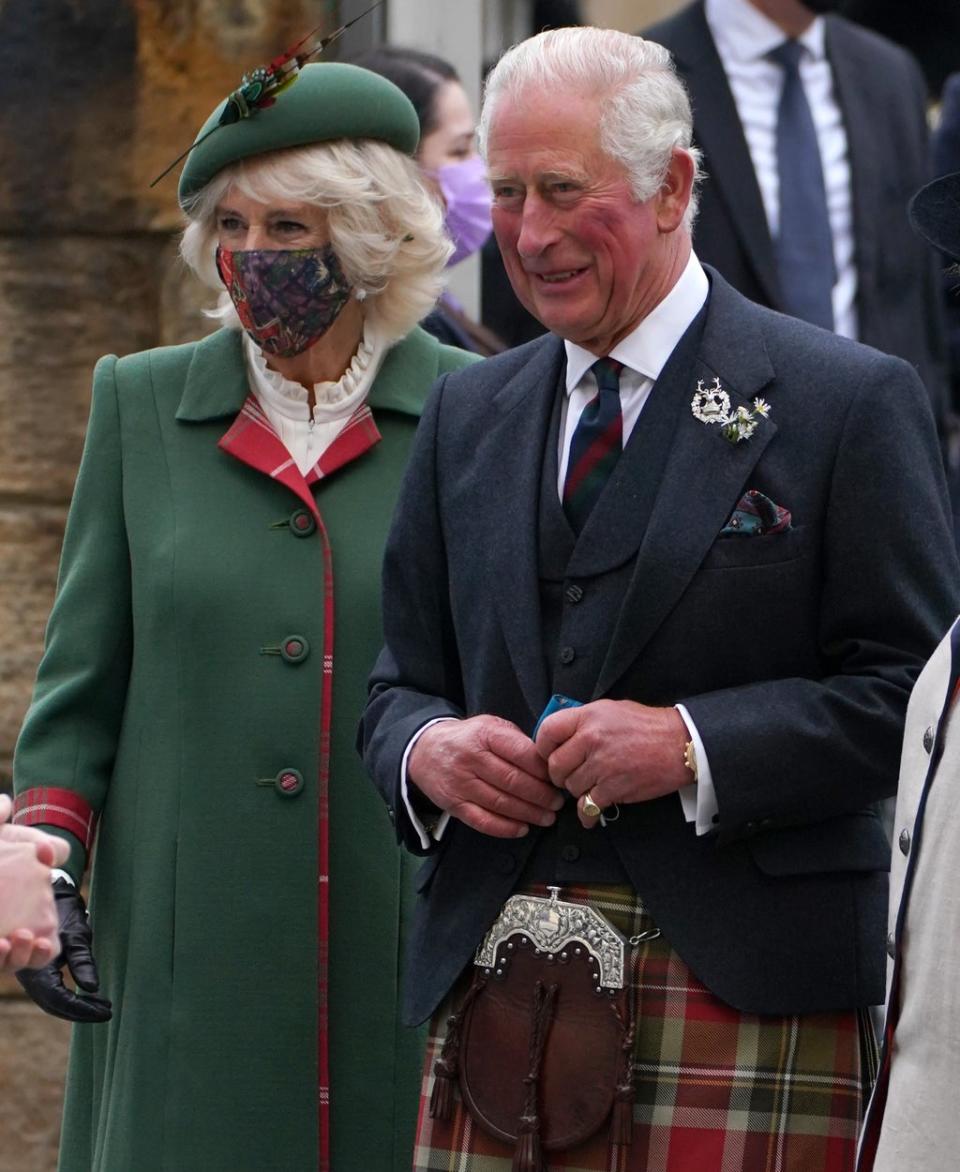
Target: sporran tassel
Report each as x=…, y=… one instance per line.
x=446, y=1067
x=441, y=1097
x=528, y=1156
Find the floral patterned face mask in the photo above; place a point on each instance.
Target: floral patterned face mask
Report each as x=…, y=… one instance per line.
x=287, y=299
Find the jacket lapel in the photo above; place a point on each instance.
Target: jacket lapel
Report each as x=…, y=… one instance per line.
x=703, y=478
x=216, y=383
x=719, y=133
x=512, y=488
x=217, y=386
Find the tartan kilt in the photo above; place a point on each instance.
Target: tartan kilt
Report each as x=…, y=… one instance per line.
x=717, y=1090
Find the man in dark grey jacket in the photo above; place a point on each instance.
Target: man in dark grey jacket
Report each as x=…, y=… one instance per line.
x=720, y=535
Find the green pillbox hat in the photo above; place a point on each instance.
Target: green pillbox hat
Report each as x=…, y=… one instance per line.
x=328, y=100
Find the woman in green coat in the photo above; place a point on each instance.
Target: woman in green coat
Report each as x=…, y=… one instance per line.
x=206, y=660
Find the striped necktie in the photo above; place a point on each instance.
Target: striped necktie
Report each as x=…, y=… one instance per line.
x=804, y=245
x=596, y=445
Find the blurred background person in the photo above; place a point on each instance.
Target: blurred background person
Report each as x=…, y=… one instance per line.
x=911, y=1119
x=814, y=136
x=452, y=168
x=207, y=654
x=501, y=309
x=28, y=917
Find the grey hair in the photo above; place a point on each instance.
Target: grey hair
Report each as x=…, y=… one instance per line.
x=385, y=227
x=645, y=111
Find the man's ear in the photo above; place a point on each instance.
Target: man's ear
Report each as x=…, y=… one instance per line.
x=674, y=193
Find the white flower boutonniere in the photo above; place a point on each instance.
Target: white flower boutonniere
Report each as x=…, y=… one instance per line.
x=712, y=405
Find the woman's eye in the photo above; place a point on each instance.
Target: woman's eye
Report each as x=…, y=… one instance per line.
x=230, y=224
x=289, y=227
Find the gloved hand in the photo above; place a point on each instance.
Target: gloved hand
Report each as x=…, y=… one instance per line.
x=45, y=985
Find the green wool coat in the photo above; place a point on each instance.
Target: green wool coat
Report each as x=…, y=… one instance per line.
x=160, y=703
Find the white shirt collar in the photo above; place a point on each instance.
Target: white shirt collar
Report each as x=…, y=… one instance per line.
x=742, y=33
x=648, y=347
x=333, y=399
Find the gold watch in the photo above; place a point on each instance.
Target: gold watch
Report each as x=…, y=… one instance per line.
x=690, y=758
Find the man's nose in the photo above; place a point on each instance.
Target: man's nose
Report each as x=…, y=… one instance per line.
x=538, y=229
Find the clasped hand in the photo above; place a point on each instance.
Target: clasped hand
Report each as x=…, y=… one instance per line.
x=44, y=926
x=28, y=918
x=486, y=772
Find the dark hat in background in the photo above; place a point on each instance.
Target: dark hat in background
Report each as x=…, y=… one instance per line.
x=935, y=213
x=327, y=100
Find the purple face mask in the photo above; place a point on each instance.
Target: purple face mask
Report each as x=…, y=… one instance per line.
x=286, y=300
x=467, y=194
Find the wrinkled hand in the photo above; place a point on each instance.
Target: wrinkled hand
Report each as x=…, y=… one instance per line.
x=21, y=949
x=617, y=750
x=50, y=850
x=46, y=985
x=487, y=773
x=26, y=901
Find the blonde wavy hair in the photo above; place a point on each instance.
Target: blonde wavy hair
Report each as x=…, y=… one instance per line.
x=385, y=227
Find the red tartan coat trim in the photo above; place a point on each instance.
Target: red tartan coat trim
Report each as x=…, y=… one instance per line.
x=45, y=805
x=252, y=439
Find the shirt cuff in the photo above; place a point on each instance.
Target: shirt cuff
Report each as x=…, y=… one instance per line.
x=699, y=798
x=427, y=837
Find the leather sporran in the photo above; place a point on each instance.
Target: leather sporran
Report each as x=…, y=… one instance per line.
x=542, y=1043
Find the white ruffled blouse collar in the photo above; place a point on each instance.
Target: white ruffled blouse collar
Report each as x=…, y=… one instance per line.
x=334, y=400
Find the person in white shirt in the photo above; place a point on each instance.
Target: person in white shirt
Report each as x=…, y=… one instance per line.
x=863, y=100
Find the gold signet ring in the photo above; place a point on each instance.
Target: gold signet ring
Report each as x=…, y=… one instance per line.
x=590, y=807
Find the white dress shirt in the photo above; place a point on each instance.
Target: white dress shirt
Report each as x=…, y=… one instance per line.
x=644, y=354
x=744, y=37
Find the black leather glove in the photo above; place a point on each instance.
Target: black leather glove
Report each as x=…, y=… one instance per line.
x=46, y=985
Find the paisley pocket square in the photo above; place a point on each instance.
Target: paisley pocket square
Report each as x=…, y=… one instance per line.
x=755, y=516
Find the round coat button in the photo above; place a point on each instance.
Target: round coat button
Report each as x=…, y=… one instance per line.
x=573, y=593
x=905, y=841
x=570, y=853
x=567, y=655
x=302, y=523
x=289, y=782
x=295, y=648
x=928, y=738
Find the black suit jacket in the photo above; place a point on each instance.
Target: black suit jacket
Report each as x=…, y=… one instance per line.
x=882, y=97
x=794, y=653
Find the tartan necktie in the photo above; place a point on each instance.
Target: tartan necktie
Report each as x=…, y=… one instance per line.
x=596, y=445
x=804, y=245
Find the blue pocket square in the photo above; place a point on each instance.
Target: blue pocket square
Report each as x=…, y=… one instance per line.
x=755, y=516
